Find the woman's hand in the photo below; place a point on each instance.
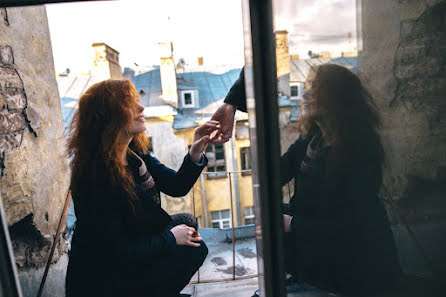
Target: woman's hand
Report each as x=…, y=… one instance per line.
x=186, y=235
x=201, y=139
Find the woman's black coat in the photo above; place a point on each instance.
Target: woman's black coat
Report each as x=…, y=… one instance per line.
x=343, y=240
x=115, y=246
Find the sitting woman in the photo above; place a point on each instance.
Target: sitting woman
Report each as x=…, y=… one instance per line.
x=338, y=237
x=124, y=243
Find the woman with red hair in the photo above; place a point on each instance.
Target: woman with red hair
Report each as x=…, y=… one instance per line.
x=124, y=243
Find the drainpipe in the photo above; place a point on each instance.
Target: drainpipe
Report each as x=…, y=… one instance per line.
x=205, y=207
x=236, y=189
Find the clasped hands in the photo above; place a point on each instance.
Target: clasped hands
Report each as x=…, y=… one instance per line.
x=216, y=131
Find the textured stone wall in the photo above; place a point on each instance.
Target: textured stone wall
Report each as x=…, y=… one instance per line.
x=170, y=150
x=34, y=167
x=403, y=62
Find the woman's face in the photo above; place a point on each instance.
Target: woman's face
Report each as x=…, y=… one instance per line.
x=137, y=123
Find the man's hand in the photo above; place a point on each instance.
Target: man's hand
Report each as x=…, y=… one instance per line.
x=225, y=115
x=201, y=139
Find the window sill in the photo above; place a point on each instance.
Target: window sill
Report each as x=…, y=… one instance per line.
x=216, y=176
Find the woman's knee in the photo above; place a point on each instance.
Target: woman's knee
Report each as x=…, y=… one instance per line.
x=184, y=218
x=204, y=249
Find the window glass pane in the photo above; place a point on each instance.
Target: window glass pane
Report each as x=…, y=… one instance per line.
x=248, y=211
x=294, y=91
x=187, y=98
x=215, y=215
x=226, y=224
x=225, y=213
x=381, y=64
x=221, y=168
x=220, y=155
x=215, y=225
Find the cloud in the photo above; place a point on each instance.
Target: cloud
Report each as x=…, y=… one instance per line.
x=318, y=25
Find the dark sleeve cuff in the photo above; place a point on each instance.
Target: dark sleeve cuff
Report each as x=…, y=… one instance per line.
x=202, y=162
x=200, y=165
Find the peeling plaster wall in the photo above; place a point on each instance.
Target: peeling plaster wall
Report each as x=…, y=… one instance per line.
x=35, y=172
x=170, y=150
x=402, y=62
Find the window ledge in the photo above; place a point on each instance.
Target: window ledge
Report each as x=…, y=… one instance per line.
x=216, y=176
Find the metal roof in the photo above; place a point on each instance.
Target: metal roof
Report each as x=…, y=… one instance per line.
x=211, y=86
x=70, y=90
x=300, y=68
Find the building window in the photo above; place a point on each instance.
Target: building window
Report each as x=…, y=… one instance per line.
x=216, y=160
x=188, y=98
x=294, y=91
x=221, y=219
x=249, y=215
x=245, y=158
x=242, y=129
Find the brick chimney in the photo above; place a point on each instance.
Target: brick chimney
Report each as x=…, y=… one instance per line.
x=168, y=74
x=106, y=62
x=283, y=62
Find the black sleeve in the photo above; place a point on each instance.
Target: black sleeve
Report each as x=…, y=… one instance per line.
x=290, y=161
x=171, y=182
x=237, y=93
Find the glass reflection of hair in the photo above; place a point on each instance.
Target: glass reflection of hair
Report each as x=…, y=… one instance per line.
x=336, y=102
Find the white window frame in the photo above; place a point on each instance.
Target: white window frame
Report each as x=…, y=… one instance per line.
x=245, y=158
x=300, y=89
x=220, y=220
x=192, y=93
x=248, y=212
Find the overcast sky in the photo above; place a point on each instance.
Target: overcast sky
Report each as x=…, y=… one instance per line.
x=208, y=28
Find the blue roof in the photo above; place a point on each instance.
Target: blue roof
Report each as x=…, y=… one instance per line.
x=211, y=86
x=182, y=122
x=68, y=108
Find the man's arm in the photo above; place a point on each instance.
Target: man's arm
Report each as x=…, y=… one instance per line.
x=237, y=93
x=235, y=99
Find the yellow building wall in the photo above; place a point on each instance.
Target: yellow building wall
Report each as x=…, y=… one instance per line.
x=218, y=189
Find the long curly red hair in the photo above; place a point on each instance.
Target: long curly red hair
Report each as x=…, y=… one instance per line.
x=93, y=139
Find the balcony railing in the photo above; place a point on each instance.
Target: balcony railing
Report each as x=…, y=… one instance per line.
x=250, y=230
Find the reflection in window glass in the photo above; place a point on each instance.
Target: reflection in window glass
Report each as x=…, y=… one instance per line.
x=366, y=60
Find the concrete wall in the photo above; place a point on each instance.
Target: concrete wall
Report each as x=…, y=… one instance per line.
x=35, y=171
x=402, y=61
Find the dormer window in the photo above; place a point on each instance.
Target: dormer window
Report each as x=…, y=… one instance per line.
x=296, y=90
x=188, y=98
